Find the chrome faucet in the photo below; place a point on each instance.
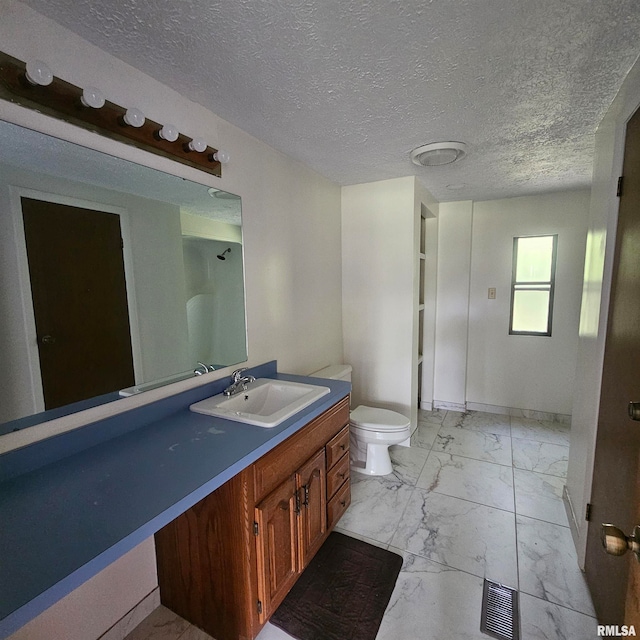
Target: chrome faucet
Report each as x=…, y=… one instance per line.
x=203, y=368
x=239, y=382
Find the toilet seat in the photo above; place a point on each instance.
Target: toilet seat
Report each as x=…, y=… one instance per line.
x=376, y=419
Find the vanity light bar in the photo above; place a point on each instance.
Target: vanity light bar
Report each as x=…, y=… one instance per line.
x=88, y=109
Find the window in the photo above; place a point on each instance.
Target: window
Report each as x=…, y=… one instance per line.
x=532, y=285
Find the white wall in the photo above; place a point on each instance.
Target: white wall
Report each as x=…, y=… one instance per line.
x=381, y=280
x=452, y=313
x=603, y=214
x=478, y=364
x=90, y=611
x=379, y=244
x=524, y=372
x=291, y=225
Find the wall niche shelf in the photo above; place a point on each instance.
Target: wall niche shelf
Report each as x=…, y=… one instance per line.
x=62, y=100
x=422, y=260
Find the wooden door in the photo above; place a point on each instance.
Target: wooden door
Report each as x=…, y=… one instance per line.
x=632, y=603
x=79, y=300
x=277, y=548
x=312, y=487
x=615, y=478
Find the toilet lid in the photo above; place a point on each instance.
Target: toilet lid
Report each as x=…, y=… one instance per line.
x=376, y=419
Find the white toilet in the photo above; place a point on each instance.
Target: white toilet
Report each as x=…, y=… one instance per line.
x=372, y=430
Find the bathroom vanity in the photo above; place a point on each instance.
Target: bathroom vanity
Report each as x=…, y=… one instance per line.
x=238, y=510
x=228, y=562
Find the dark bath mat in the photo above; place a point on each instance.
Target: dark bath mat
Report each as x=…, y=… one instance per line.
x=342, y=594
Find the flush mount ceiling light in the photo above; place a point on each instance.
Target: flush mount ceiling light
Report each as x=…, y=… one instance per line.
x=438, y=153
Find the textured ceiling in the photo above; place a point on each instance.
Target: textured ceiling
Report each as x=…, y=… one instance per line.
x=349, y=88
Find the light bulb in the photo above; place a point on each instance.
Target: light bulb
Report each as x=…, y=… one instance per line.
x=198, y=144
x=134, y=118
x=221, y=156
x=169, y=132
x=92, y=97
x=38, y=73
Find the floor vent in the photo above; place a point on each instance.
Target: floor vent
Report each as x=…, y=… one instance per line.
x=500, y=613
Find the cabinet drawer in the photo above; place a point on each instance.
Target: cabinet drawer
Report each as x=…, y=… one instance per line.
x=337, y=475
x=338, y=504
x=270, y=470
x=337, y=447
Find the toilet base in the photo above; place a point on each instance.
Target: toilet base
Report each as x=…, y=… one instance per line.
x=371, y=432
x=370, y=459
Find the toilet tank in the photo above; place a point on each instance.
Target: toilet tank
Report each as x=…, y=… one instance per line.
x=334, y=372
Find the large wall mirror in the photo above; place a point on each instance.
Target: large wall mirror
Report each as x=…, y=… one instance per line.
x=114, y=278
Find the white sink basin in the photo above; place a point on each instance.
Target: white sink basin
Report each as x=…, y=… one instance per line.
x=265, y=403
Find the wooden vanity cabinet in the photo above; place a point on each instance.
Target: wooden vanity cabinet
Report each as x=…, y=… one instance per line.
x=228, y=562
x=291, y=525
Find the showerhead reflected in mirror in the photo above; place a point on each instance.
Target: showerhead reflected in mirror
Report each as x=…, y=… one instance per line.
x=179, y=305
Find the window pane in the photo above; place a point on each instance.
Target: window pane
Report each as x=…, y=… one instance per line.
x=536, y=285
x=530, y=311
x=534, y=259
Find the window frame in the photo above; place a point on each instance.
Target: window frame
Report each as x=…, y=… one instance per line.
x=549, y=285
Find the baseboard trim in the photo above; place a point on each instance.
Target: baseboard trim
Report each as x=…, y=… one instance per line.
x=449, y=406
x=514, y=412
x=490, y=408
x=571, y=517
x=133, y=617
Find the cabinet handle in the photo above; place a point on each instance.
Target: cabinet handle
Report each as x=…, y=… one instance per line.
x=343, y=474
x=343, y=446
x=306, y=495
x=343, y=503
x=297, y=503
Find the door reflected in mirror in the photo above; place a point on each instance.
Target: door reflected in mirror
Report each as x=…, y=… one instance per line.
x=115, y=277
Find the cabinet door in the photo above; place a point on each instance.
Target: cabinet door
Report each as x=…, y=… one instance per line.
x=276, y=546
x=311, y=485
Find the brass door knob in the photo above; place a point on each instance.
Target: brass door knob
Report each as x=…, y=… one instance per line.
x=634, y=410
x=616, y=543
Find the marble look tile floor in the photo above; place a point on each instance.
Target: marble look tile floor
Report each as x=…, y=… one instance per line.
x=477, y=495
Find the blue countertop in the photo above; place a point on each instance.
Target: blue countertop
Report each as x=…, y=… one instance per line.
x=73, y=504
